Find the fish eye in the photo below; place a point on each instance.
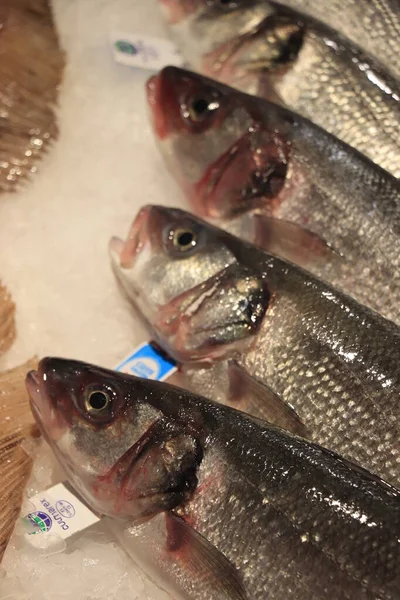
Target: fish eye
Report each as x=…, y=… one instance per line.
x=184, y=239
x=97, y=401
x=200, y=107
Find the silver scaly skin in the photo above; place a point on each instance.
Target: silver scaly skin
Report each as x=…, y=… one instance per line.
x=252, y=329
x=270, y=50
x=372, y=25
x=233, y=153
x=215, y=504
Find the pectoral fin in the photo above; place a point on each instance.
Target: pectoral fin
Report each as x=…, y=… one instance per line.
x=178, y=558
x=203, y=560
x=250, y=395
x=288, y=240
x=293, y=242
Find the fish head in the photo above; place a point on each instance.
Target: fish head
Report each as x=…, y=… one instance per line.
x=239, y=42
x=188, y=281
x=116, y=438
x=204, y=27
x=229, y=152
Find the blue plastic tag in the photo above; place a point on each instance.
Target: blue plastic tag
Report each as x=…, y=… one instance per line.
x=149, y=362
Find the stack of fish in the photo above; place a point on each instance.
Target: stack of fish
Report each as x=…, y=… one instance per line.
x=282, y=308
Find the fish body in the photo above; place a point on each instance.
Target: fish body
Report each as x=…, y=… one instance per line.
x=374, y=26
x=234, y=154
x=249, y=327
x=222, y=505
x=270, y=50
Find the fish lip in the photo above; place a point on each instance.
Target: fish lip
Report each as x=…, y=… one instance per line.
x=32, y=384
x=115, y=246
x=137, y=239
x=162, y=101
x=154, y=94
x=39, y=403
x=50, y=422
x=151, y=85
x=124, y=253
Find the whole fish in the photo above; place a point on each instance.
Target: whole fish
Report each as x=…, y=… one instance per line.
x=269, y=330
x=233, y=153
x=222, y=506
x=270, y=50
x=373, y=25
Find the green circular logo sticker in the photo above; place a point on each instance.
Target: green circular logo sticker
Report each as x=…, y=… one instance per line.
x=41, y=520
x=126, y=47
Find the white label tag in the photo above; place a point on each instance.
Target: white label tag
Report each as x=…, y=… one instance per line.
x=59, y=512
x=144, y=51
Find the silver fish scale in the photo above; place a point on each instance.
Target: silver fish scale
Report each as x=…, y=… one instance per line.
x=374, y=25
x=330, y=376
x=339, y=195
x=254, y=511
x=331, y=88
x=367, y=277
x=316, y=348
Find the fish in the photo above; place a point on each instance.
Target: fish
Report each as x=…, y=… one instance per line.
x=261, y=334
x=267, y=49
x=7, y=320
x=31, y=70
x=16, y=425
x=217, y=504
x=281, y=182
x=374, y=26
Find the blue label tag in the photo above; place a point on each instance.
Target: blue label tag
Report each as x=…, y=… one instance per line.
x=149, y=362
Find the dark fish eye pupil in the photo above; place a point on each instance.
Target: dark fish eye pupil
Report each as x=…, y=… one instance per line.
x=98, y=400
x=200, y=106
x=185, y=238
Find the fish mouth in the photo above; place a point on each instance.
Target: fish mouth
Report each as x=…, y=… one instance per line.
x=156, y=95
x=125, y=253
x=50, y=422
x=33, y=386
x=163, y=94
x=151, y=89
